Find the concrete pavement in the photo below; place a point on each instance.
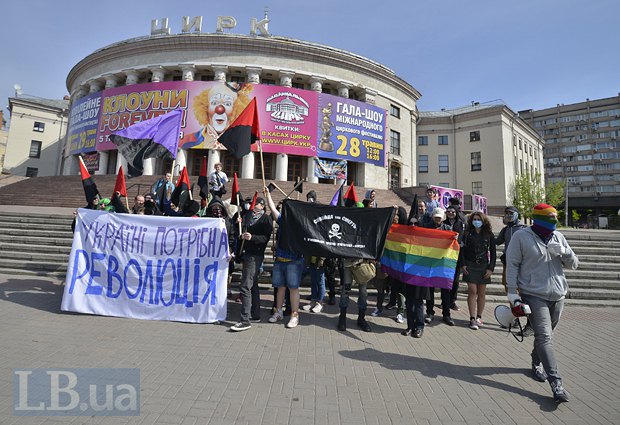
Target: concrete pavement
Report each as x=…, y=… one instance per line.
x=199, y=374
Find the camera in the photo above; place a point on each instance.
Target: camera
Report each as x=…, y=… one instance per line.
x=520, y=309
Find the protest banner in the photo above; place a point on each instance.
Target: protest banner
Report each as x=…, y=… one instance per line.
x=148, y=267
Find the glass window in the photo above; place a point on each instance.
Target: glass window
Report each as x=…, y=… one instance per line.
x=423, y=163
x=268, y=82
x=35, y=149
x=443, y=140
x=394, y=177
x=444, y=166
x=395, y=142
x=395, y=111
x=476, y=188
x=474, y=136
x=39, y=127
x=476, y=161
x=32, y=172
x=423, y=140
x=299, y=86
x=237, y=79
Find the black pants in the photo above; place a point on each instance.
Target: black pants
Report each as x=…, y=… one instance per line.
x=448, y=297
x=331, y=266
x=415, y=308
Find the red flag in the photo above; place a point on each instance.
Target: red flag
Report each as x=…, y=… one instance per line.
x=90, y=188
x=203, y=181
x=243, y=132
x=119, y=186
x=253, y=201
x=182, y=185
x=235, y=192
x=351, y=196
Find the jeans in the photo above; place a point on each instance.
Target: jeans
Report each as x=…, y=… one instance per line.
x=544, y=318
x=287, y=273
x=346, y=281
x=250, y=295
x=415, y=308
x=317, y=288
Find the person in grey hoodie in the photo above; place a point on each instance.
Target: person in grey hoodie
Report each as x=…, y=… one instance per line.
x=535, y=276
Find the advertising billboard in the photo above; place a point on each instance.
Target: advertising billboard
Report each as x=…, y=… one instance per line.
x=445, y=193
x=83, y=121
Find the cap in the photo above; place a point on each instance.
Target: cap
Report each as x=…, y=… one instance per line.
x=260, y=201
x=511, y=209
x=439, y=212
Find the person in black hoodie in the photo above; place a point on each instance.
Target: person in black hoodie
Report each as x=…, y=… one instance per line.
x=256, y=231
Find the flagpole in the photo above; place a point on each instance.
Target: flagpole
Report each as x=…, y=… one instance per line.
x=294, y=188
x=262, y=164
x=278, y=187
x=239, y=210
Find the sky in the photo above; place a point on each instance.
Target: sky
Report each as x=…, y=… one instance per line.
x=531, y=54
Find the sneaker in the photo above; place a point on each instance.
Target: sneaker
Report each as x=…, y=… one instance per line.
x=241, y=326
x=527, y=331
x=293, y=322
x=417, y=333
x=275, y=318
x=454, y=307
x=318, y=307
x=479, y=322
x=448, y=320
x=307, y=307
x=376, y=312
x=539, y=372
x=473, y=324
x=400, y=318
x=560, y=395
x=428, y=318
x=255, y=319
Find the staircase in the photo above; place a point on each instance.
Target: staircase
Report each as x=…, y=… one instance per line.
x=38, y=244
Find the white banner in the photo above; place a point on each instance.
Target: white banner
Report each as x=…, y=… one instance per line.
x=148, y=267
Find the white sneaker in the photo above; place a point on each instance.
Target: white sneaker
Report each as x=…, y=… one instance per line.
x=376, y=312
x=293, y=322
x=318, y=307
x=275, y=318
x=400, y=318
x=307, y=307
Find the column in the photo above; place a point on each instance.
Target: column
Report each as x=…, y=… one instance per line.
x=220, y=72
x=281, y=166
x=214, y=158
x=104, y=157
x=253, y=74
x=343, y=89
x=71, y=166
x=181, y=160
x=110, y=81
x=286, y=78
x=310, y=177
x=247, y=166
x=132, y=77
x=188, y=71
x=316, y=83
x=369, y=96
x=95, y=86
x=77, y=94
x=121, y=161
x=157, y=73
x=149, y=166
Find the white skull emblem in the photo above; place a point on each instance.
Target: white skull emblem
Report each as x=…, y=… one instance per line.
x=335, y=231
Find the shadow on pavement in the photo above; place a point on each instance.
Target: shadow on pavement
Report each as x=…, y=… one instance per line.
x=34, y=293
x=435, y=368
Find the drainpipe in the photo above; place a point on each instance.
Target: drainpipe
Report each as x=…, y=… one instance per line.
x=61, y=143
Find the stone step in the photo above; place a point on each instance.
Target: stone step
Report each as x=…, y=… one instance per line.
x=59, y=258
x=60, y=275
x=60, y=225
x=568, y=302
x=35, y=218
x=573, y=292
x=34, y=266
x=18, y=246
x=40, y=232
x=36, y=240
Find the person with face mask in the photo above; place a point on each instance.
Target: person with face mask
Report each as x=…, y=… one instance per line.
x=535, y=277
x=479, y=257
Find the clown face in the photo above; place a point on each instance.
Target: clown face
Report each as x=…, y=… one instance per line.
x=221, y=101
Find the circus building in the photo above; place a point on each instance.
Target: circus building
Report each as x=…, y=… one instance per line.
x=319, y=107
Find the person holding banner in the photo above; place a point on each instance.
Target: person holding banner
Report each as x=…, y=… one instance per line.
x=479, y=259
x=256, y=232
x=286, y=273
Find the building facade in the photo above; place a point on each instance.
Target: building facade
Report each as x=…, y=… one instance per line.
x=582, y=149
x=261, y=60
x=479, y=149
x=35, y=139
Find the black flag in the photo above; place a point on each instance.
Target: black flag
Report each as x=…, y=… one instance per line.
x=326, y=231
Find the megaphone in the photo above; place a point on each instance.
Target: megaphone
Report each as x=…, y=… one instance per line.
x=504, y=316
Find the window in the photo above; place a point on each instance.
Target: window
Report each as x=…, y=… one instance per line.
x=474, y=136
x=395, y=111
x=237, y=79
x=298, y=85
x=476, y=188
x=476, y=161
x=423, y=163
x=268, y=82
x=294, y=168
x=423, y=140
x=31, y=172
x=394, y=177
x=394, y=142
x=443, y=164
x=35, y=149
x=39, y=127
x=443, y=140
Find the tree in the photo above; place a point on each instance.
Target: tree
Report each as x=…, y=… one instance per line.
x=526, y=193
x=555, y=195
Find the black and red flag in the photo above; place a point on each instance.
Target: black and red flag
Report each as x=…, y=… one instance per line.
x=120, y=189
x=350, y=198
x=235, y=197
x=181, y=187
x=243, y=132
x=90, y=188
x=203, y=180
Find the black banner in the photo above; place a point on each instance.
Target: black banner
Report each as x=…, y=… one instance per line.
x=327, y=231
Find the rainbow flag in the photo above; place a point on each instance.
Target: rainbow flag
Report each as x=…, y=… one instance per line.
x=419, y=256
